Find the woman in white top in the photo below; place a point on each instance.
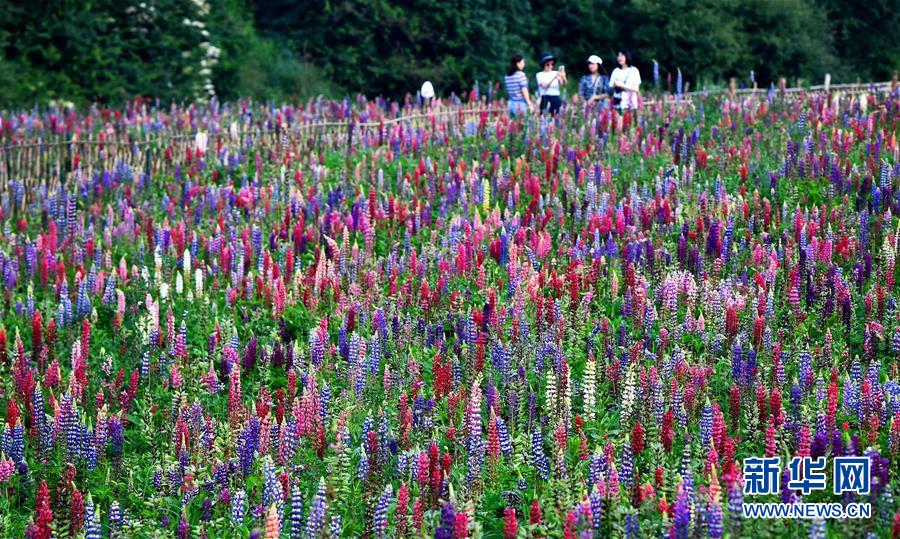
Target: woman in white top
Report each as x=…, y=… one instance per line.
x=625, y=82
x=549, y=82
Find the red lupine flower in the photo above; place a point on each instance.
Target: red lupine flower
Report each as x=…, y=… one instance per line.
x=418, y=514
x=493, y=448
x=637, y=438
x=761, y=404
x=735, y=407
x=667, y=434
x=535, y=513
x=402, y=507
x=462, y=525
x=510, y=524
x=569, y=530
x=37, y=334
x=803, y=450
x=12, y=413
x=44, y=515
x=662, y=506
x=775, y=404
x=770, y=441
x=731, y=322
x=4, y=358
x=76, y=515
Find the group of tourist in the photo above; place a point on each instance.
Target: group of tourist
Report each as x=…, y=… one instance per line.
x=619, y=90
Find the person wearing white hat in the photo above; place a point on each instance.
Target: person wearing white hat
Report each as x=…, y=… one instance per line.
x=426, y=93
x=594, y=87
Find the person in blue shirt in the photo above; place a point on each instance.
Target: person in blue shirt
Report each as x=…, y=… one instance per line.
x=594, y=87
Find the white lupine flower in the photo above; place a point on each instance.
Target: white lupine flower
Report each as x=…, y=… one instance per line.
x=551, y=391
x=198, y=281
x=589, y=389
x=628, y=396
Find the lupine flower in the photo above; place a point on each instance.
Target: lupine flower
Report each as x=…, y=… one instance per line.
x=381, y=512
x=273, y=524
x=510, y=524
x=316, y=520
x=445, y=529
x=238, y=501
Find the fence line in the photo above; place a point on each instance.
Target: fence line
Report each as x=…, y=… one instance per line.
x=852, y=88
x=45, y=165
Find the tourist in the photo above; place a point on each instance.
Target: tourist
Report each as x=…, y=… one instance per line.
x=594, y=87
x=549, y=82
x=625, y=82
x=516, y=83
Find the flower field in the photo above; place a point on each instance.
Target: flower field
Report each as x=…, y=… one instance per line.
x=229, y=320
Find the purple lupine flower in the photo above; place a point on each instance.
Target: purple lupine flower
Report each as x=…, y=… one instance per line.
x=503, y=435
x=238, y=507
x=116, y=436
x=596, y=508
x=380, y=517
x=335, y=525
x=787, y=495
x=296, y=529
x=115, y=516
x=16, y=449
x=206, y=510
x=706, y=425
x=184, y=529
x=538, y=458
x=626, y=473
x=817, y=529
x=715, y=520
x=735, y=505
x=272, y=490
x=317, y=507
x=91, y=520
x=362, y=468
x=819, y=445
x=446, y=527
x=681, y=525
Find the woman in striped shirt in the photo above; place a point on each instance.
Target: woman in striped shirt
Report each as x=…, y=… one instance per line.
x=516, y=83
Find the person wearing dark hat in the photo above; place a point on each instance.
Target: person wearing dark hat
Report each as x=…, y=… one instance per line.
x=549, y=82
x=594, y=87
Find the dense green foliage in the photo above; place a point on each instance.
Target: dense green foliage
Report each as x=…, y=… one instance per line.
x=281, y=49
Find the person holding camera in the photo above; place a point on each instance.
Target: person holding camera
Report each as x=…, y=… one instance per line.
x=549, y=82
x=516, y=83
x=625, y=82
x=594, y=87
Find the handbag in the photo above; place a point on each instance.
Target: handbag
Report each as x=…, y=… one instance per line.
x=617, y=93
